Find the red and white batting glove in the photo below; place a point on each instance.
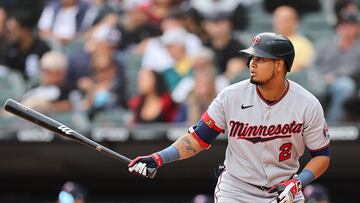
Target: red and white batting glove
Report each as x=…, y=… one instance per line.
x=287, y=191
x=146, y=165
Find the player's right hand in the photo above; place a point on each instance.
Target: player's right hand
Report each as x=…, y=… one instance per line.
x=146, y=165
x=287, y=191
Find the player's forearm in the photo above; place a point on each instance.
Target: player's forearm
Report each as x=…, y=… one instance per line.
x=318, y=165
x=187, y=146
x=313, y=169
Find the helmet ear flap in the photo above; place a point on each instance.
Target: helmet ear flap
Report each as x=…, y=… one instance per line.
x=249, y=60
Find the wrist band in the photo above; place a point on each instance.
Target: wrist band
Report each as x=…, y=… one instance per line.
x=169, y=154
x=305, y=177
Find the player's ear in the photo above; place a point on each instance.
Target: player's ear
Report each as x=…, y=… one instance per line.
x=280, y=65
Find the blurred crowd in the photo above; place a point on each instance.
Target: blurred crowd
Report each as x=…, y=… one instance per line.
x=74, y=192
x=165, y=60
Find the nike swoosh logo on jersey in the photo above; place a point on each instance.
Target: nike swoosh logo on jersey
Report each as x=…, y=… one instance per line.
x=245, y=107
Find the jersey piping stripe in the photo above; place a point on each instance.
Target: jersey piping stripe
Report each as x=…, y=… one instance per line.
x=320, y=149
x=199, y=140
x=277, y=101
x=218, y=187
x=211, y=123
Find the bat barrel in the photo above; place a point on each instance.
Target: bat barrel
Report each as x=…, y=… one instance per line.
x=58, y=128
x=31, y=115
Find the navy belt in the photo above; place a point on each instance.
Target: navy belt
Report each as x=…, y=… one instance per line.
x=264, y=188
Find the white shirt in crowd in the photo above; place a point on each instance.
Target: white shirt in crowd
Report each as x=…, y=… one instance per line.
x=64, y=24
x=157, y=58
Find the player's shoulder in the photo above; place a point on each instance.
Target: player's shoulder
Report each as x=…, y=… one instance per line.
x=301, y=93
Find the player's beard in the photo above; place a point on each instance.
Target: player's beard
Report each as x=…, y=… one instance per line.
x=259, y=83
x=254, y=81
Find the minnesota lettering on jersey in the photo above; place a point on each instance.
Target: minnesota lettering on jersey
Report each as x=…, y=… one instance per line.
x=263, y=133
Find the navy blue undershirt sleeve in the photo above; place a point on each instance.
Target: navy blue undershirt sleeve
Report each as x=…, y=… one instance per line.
x=205, y=133
x=323, y=152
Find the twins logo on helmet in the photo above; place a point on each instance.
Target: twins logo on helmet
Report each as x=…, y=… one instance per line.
x=256, y=40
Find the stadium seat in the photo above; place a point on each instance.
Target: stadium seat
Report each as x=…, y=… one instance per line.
x=315, y=26
x=11, y=85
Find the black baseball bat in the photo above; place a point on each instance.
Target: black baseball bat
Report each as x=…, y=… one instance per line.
x=62, y=130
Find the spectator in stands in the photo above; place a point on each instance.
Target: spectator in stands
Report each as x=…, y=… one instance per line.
x=192, y=23
x=351, y=105
x=332, y=9
x=119, y=6
x=236, y=70
x=104, y=90
x=61, y=21
x=349, y=6
x=203, y=198
x=236, y=10
x=96, y=11
x=134, y=28
x=3, y=16
x=202, y=94
x=203, y=61
x=219, y=28
x=22, y=49
x=338, y=60
x=303, y=7
x=286, y=22
x=157, y=10
x=72, y=192
x=156, y=56
x=174, y=40
x=104, y=39
x=52, y=95
x=315, y=193
x=153, y=103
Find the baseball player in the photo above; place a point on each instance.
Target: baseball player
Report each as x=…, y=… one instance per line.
x=269, y=121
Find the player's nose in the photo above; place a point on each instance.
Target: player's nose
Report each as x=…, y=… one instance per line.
x=252, y=66
x=252, y=63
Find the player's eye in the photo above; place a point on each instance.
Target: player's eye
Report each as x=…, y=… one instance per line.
x=260, y=59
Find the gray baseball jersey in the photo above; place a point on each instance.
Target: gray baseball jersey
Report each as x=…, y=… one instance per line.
x=265, y=140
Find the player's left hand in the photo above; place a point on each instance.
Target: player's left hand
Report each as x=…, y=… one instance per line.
x=287, y=191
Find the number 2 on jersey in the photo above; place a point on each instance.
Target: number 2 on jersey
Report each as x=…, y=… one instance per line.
x=285, y=152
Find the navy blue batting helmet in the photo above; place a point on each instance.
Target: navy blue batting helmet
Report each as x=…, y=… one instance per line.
x=271, y=45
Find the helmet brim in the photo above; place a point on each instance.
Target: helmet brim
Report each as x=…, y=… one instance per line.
x=257, y=52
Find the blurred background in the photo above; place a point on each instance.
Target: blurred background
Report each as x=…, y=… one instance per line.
x=134, y=74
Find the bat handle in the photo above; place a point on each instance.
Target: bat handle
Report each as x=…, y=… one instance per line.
x=151, y=172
